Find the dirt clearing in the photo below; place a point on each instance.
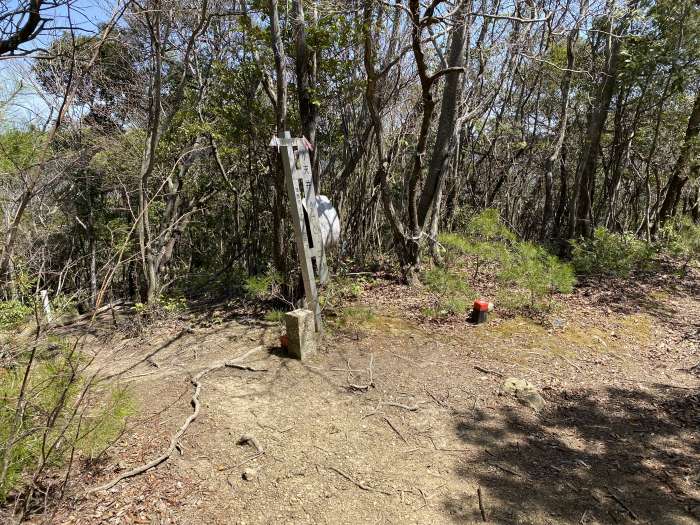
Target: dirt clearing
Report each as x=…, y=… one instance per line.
x=401, y=420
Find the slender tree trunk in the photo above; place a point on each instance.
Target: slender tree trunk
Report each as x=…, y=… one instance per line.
x=306, y=64
x=680, y=175
x=583, y=218
x=451, y=98
x=280, y=203
x=149, y=155
x=552, y=161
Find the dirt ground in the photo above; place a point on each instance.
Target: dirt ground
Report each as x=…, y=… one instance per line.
x=433, y=438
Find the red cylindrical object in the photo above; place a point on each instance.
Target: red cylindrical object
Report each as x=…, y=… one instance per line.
x=480, y=311
x=481, y=306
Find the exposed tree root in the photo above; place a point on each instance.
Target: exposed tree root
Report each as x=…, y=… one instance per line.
x=196, y=382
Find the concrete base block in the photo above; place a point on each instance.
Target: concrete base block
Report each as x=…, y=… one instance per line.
x=301, y=333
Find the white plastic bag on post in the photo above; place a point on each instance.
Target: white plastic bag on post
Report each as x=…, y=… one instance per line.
x=328, y=221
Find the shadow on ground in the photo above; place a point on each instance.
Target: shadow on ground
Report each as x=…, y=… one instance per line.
x=659, y=293
x=610, y=456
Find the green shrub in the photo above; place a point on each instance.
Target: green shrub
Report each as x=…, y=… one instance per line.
x=488, y=226
x=13, y=314
x=59, y=413
x=263, y=286
x=486, y=240
x=608, y=253
x=531, y=274
x=453, y=295
x=63, y=304
x=539, y=273
x=681, y=238
x=162, y=308
x=172, y=304
x=341, y=288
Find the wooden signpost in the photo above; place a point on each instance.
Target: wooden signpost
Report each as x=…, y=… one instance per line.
x=302, y=203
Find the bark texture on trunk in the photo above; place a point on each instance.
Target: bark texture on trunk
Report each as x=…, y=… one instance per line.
x=686, y=163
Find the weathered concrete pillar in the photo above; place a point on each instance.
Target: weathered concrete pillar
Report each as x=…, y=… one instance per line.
x=301, y=333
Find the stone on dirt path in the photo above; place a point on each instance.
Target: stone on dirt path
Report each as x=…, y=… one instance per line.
x=525, y=392
x=249, y=474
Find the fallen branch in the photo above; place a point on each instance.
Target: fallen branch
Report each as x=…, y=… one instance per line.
x=231, y=364
x=570, y=363
x=137, y=376
x=174, y=440
x=505, y=469
x=441, y=449
x=437, y=401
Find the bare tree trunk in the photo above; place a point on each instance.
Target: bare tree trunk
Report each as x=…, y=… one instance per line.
x=552, y=161
x=451, y=98
x=582, y=223
x=153, y=20
x=279, y=214
x=680, y=173
x=373, y=103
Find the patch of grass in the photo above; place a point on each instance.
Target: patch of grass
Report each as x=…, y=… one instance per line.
x=587, y=337
x=517, y=326
x=386, y=323
x=355, y=315
x=341, y=289
x=360, y=317
x=452, y=294
x=275, y=316
x=638, y=327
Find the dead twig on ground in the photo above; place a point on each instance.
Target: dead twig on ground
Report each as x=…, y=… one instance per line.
x=174, y=440
x=622, y=504
x=441, y=449
x=358, y=484
x=481, y=503
x=412, y=408
x=244, y=367
x=440, y=403
x=137, y=376
x=395, y=429
x=505, y=469
x=570, y=363
x=487, y=371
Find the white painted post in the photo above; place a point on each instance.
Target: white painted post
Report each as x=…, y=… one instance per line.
x=47, y=305
x=302, y=205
